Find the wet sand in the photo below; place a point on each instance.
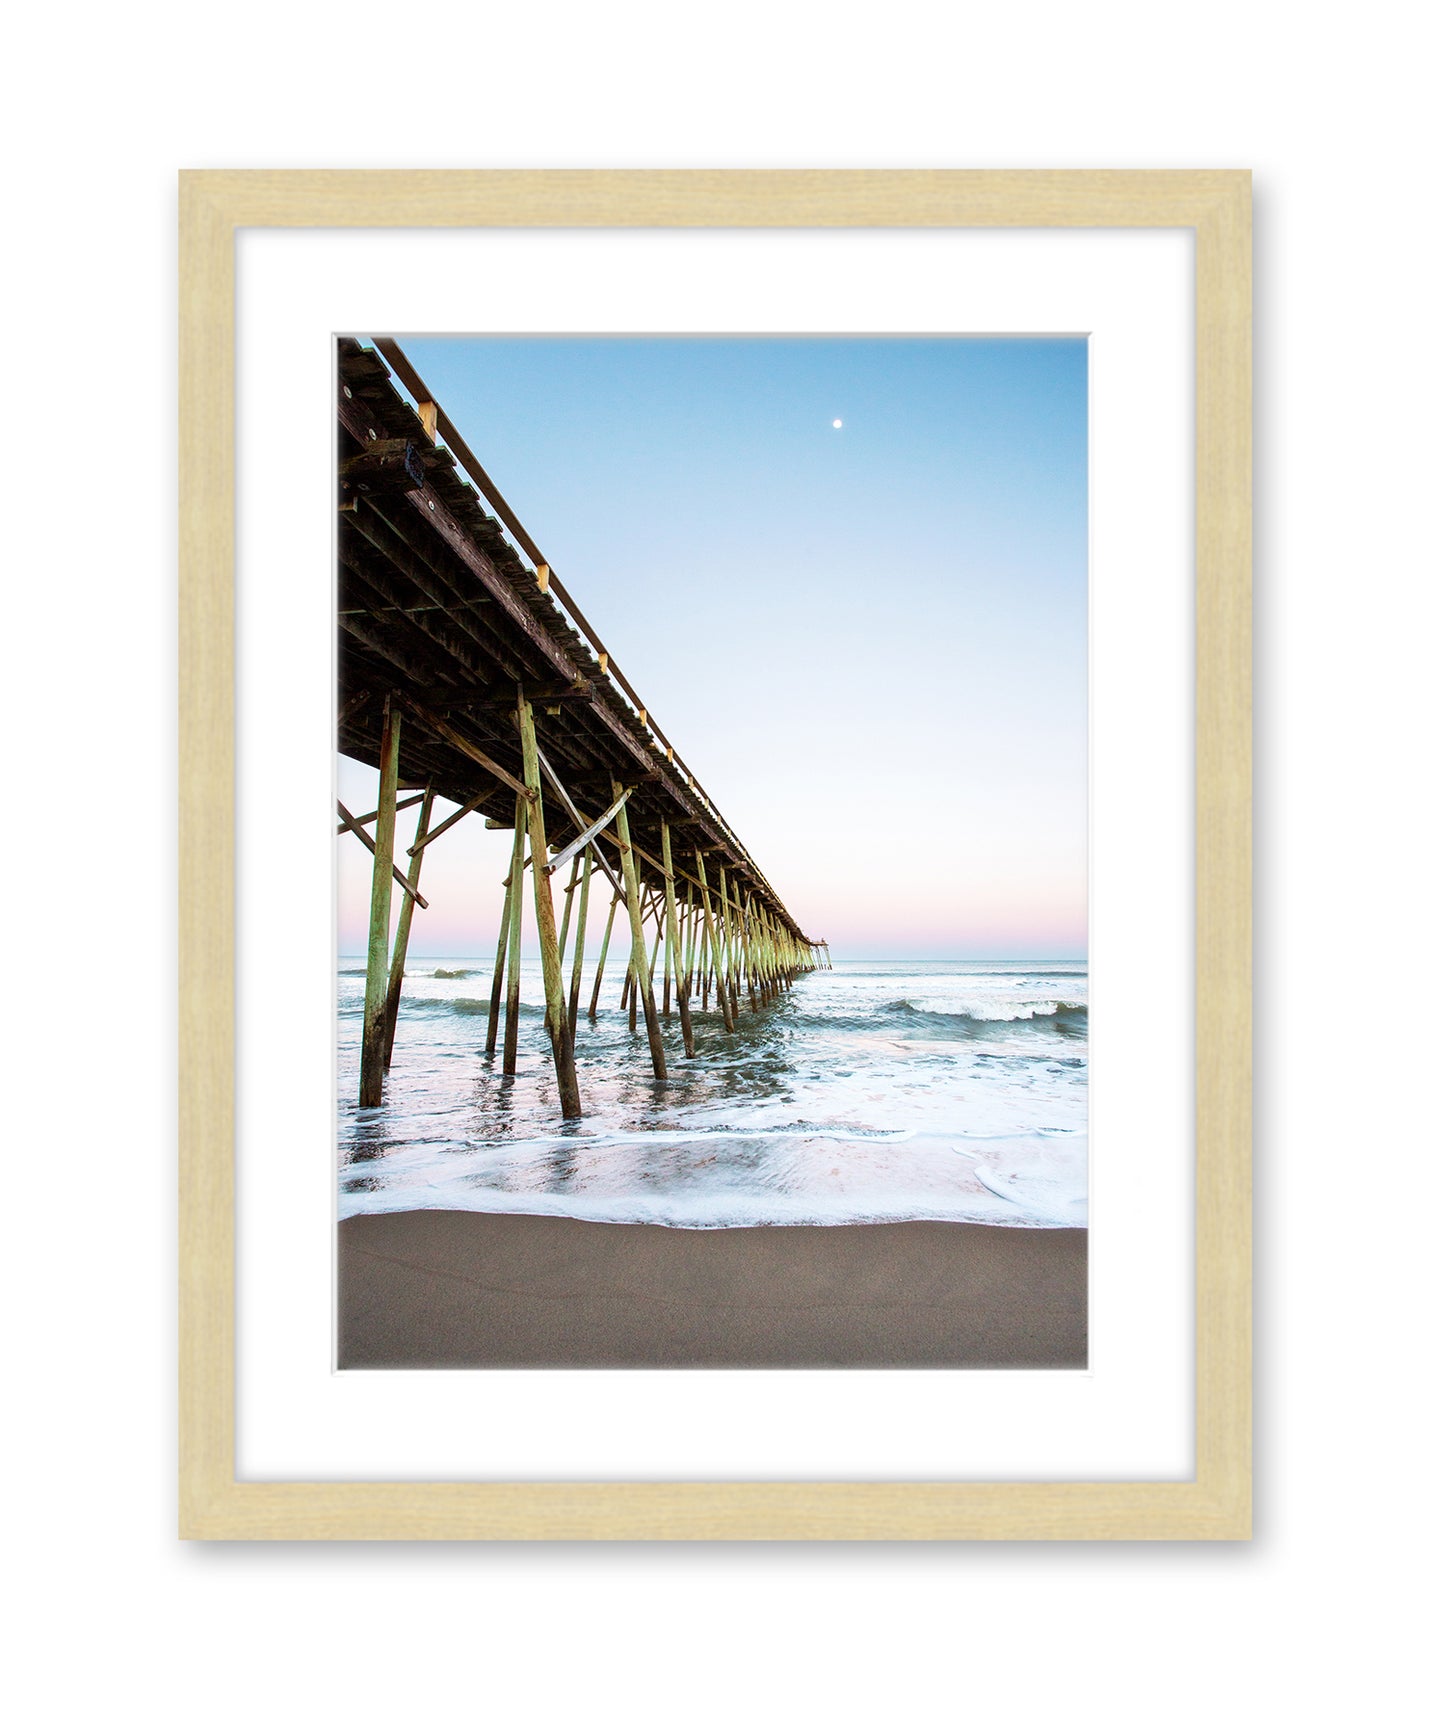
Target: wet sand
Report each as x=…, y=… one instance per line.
x=447, y=1288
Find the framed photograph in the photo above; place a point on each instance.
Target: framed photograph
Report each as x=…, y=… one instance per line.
x=715, y=855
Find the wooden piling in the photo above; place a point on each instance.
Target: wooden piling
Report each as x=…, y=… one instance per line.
x=729, y=983
x=576, y=989
x=749, y=959
x=403, y=933
x=772, y=958
x=760, y=951
x=562, y=1057
x=378, y=944
x=504, y=930
x=674, y=945
x=567, y=906
x=716, y=948
x=639, y=941
x=688, y=937
x=499, y=968
x=514, y=943
x=602, y=960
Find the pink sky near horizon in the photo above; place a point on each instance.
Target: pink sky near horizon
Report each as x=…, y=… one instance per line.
x=861, y=913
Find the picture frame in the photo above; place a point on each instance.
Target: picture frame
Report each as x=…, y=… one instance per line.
x=214, y=1502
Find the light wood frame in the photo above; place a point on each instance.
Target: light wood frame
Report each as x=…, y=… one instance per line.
x=213, y=1503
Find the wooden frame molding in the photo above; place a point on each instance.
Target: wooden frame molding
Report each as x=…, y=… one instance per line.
x=213, y=1503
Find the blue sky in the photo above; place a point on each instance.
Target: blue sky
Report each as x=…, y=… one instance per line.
x=868, y=641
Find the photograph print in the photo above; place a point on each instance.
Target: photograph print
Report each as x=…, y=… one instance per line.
x=711, y=829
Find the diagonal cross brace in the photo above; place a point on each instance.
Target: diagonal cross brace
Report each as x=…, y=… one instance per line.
x=396, y=873
x=563, y=856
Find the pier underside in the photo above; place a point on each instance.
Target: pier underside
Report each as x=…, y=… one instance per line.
x=468, y=673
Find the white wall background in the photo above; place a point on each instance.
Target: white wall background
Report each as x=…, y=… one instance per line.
x=1320, y=1622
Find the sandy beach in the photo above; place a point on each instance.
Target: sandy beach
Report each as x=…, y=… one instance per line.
x=446, y=1288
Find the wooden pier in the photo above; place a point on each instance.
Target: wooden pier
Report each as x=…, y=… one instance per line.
x=467, y=673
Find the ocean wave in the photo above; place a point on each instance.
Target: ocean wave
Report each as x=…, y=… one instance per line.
x=1030, y=1009
x=1064, y=1017
x=939, y=1094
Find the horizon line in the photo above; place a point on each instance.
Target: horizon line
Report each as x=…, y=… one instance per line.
x=1042, y=957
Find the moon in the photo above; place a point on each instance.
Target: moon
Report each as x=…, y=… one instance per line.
x=837, y=424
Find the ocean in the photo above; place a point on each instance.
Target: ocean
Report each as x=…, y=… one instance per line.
x=874, y=1092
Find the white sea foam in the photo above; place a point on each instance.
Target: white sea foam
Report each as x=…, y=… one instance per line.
x=876, y=1092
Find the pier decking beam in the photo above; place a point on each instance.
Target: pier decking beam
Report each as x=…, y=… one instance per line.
x=375, y=563
x=439, y=726
x=355, y=704
x=373, y=1018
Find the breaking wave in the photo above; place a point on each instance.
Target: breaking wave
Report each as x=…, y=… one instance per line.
x=1067, y=1017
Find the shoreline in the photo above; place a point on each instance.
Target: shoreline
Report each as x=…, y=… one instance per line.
x=469, y=1289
